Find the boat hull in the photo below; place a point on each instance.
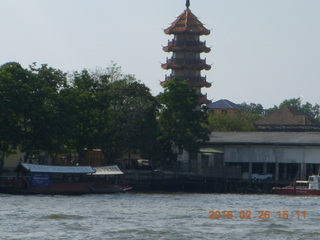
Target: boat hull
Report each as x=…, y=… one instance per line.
x=293, y=191
x=66, y=189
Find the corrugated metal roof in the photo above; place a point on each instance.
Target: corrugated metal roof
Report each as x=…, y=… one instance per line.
x=107, y=170
x=283, y=138
x=57, y=169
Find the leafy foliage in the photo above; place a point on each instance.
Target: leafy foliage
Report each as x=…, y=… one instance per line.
x=309, y=109
x=44, y=110
x=181, y=124
x=234, y=123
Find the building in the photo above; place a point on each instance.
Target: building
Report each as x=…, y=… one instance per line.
x=284, y=156
x=288, y=119
x=225, y=106
x=186, y=48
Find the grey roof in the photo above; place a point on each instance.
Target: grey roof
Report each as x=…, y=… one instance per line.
x=259, y=138
x=224, y=104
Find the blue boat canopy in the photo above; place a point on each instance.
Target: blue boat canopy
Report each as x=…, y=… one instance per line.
x=33, y=168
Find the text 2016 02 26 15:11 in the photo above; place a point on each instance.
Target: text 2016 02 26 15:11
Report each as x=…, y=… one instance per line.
x=257, y=214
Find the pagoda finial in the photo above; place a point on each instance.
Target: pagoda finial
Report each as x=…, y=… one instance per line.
x=188, y=4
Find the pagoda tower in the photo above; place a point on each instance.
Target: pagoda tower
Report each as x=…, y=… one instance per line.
x=186, y=47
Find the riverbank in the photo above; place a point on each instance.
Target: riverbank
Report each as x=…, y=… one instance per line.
x=153, y=181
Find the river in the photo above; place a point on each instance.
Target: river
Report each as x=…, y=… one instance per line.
x=160, y=216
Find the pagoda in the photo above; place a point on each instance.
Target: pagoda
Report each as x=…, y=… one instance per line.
x=186, y=47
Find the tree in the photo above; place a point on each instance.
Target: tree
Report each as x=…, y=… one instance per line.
x=181, y=124
x=12, y=76
x=132, y=118
x=224, y=122
x=28, y=110
x=85, y=111
x=43, y=129
x=307, y=108
x=255, y=111
x=110, y=111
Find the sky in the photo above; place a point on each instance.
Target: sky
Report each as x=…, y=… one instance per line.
x=262, y=51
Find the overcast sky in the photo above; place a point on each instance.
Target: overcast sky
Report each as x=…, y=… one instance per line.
x=263, y=51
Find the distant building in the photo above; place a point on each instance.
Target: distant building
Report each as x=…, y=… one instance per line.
x=282, y=155
x=286, y=148
x=288, y=119
x=186, y=47
x=225, y=106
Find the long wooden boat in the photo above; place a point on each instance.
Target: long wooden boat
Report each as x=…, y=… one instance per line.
x=44, y=179
x=310, y=187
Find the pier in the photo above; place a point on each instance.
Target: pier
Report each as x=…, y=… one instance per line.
x=154, y=181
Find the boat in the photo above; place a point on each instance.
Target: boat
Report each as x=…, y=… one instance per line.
x=64, y=180
x=310, y=187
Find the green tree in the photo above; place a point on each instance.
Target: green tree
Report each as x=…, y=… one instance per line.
x=132, y=118
x=225, y=122
x=110, y=111
x=12, y=76
x=181, y=124
x=44, y=129
x=84, y=109
x=28, y=107
x=38, y=109
x=255, y=111
x=307, y=108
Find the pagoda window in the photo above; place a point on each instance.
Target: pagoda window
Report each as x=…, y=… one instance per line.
x=189, y=74
x=192, y=38
x=190, y=55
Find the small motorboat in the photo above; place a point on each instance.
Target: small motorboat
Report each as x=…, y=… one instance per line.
x=310, y=187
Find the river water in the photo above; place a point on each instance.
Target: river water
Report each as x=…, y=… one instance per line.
x=159, y=216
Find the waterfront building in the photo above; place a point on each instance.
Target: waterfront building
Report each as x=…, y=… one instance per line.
x=284, y=156
x=186, y=47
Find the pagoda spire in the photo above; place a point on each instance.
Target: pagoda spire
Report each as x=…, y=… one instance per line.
x=188, y=4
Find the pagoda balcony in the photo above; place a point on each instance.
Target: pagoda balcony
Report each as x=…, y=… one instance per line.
x=193, y=81
x=186, y=63
x=191, y=46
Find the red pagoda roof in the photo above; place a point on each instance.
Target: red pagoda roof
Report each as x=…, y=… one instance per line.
x=187, y=23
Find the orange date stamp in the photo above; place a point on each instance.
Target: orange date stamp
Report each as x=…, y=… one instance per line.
x=257, y=214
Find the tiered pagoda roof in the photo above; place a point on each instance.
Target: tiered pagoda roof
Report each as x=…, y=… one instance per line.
x=186, y=63
x=186, y=47
x=187, y=23
x=182, y=46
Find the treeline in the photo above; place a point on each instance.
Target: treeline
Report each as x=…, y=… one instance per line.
x=254, y=112
x=258, y=111
x=46, y=110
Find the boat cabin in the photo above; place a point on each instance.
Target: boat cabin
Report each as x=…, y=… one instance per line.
x=314, y=182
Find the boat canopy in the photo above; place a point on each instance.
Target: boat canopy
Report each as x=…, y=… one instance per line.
x=107, y=170
x=33, y=168
x=210, y=150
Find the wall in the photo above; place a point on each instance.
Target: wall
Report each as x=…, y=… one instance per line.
x=272, y=154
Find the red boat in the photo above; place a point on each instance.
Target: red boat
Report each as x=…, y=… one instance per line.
x=310, y=187
x=43, y=179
